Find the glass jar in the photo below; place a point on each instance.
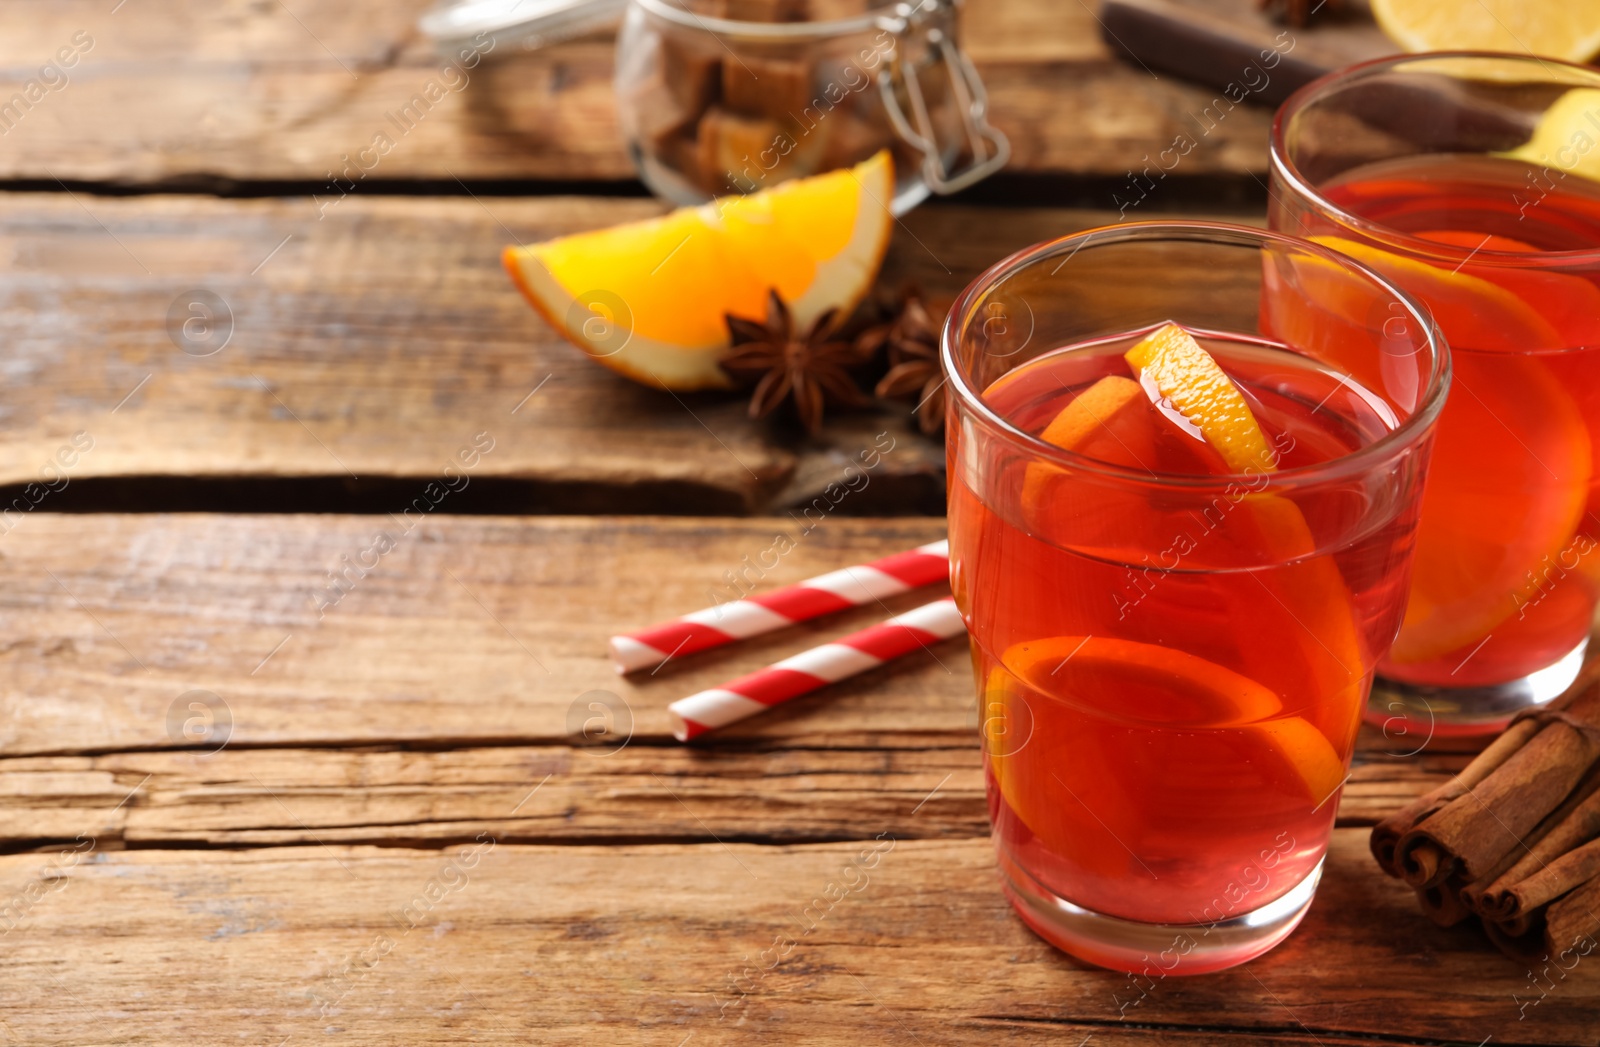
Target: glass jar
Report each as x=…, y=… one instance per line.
x=733, y=96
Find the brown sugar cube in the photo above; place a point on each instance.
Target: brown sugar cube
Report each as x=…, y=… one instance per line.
x=691, y=73
x=681, y=156
x=661, y=117
x=778, y=88
x=743, y=154
x=729, y=151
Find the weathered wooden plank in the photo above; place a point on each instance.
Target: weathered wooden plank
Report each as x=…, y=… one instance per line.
x=470, y=631
x=254, y=91
x=255, y=797
x=375, y=343
x=506, y=943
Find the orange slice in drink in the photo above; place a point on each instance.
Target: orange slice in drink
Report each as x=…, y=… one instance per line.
x=1507, y=488
x=1111, y=422
x=1102, y=423
x=1509, y=437
x=1092, y=412
x=648, y=299
x=1511, y=459
x=1570, y=304
x=1151, y=684
x=1147, y=685
x=1308, y=587
x=1182, y=378
x=1125, y=689
x=1470, y=310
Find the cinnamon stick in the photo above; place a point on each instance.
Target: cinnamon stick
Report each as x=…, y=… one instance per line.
x=1526, y=946
x=1572, y=869
x=1473, y=832
x=1386, y=834
x=1474, y=892
x=1505, y=894
x=1572, y=923
x=1442, y=903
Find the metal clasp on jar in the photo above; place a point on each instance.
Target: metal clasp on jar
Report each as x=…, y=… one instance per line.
x=926, y=27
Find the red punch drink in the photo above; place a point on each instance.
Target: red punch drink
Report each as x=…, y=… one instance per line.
x=1506, y=577
x=1486, y=214
x=1181, y=552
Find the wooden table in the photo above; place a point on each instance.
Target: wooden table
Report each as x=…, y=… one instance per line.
x=429, y=811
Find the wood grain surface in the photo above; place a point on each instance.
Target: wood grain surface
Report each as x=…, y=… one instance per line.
x=294, y=774
x=199, y=766
x=252, y=91
x=470, y=632
x=463, y=669
x=492, y=941
x=195, y=339
x=596, y=793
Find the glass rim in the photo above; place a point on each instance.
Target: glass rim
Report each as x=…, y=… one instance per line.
x=1282, y=165
x=1409, y=431
x=875, y=17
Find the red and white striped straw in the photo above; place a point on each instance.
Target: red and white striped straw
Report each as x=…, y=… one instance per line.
x=768, y=612
x=809, y=670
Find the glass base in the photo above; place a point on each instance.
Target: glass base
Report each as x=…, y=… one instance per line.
x=1410, y=715
x=1154, y=950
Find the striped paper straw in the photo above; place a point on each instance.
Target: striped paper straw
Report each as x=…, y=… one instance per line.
x=813, y=598
x=809, y=670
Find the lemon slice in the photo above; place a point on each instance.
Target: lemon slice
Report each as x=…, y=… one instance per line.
x=1565, y=135
x=1172, y=365
x=1565, y=29
x=648, y=299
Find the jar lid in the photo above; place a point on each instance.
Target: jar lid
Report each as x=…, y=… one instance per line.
x=529, y=23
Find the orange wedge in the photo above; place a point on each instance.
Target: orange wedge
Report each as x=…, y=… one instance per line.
x=1151, y=684
x=1177, y=372
x=648, y=299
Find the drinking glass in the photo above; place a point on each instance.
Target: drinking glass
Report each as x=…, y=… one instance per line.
x=1470, y=181
x=1171, y=658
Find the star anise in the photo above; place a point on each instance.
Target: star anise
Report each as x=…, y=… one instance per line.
x=812, y=368
x=912, y=336
x=1297, y=13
